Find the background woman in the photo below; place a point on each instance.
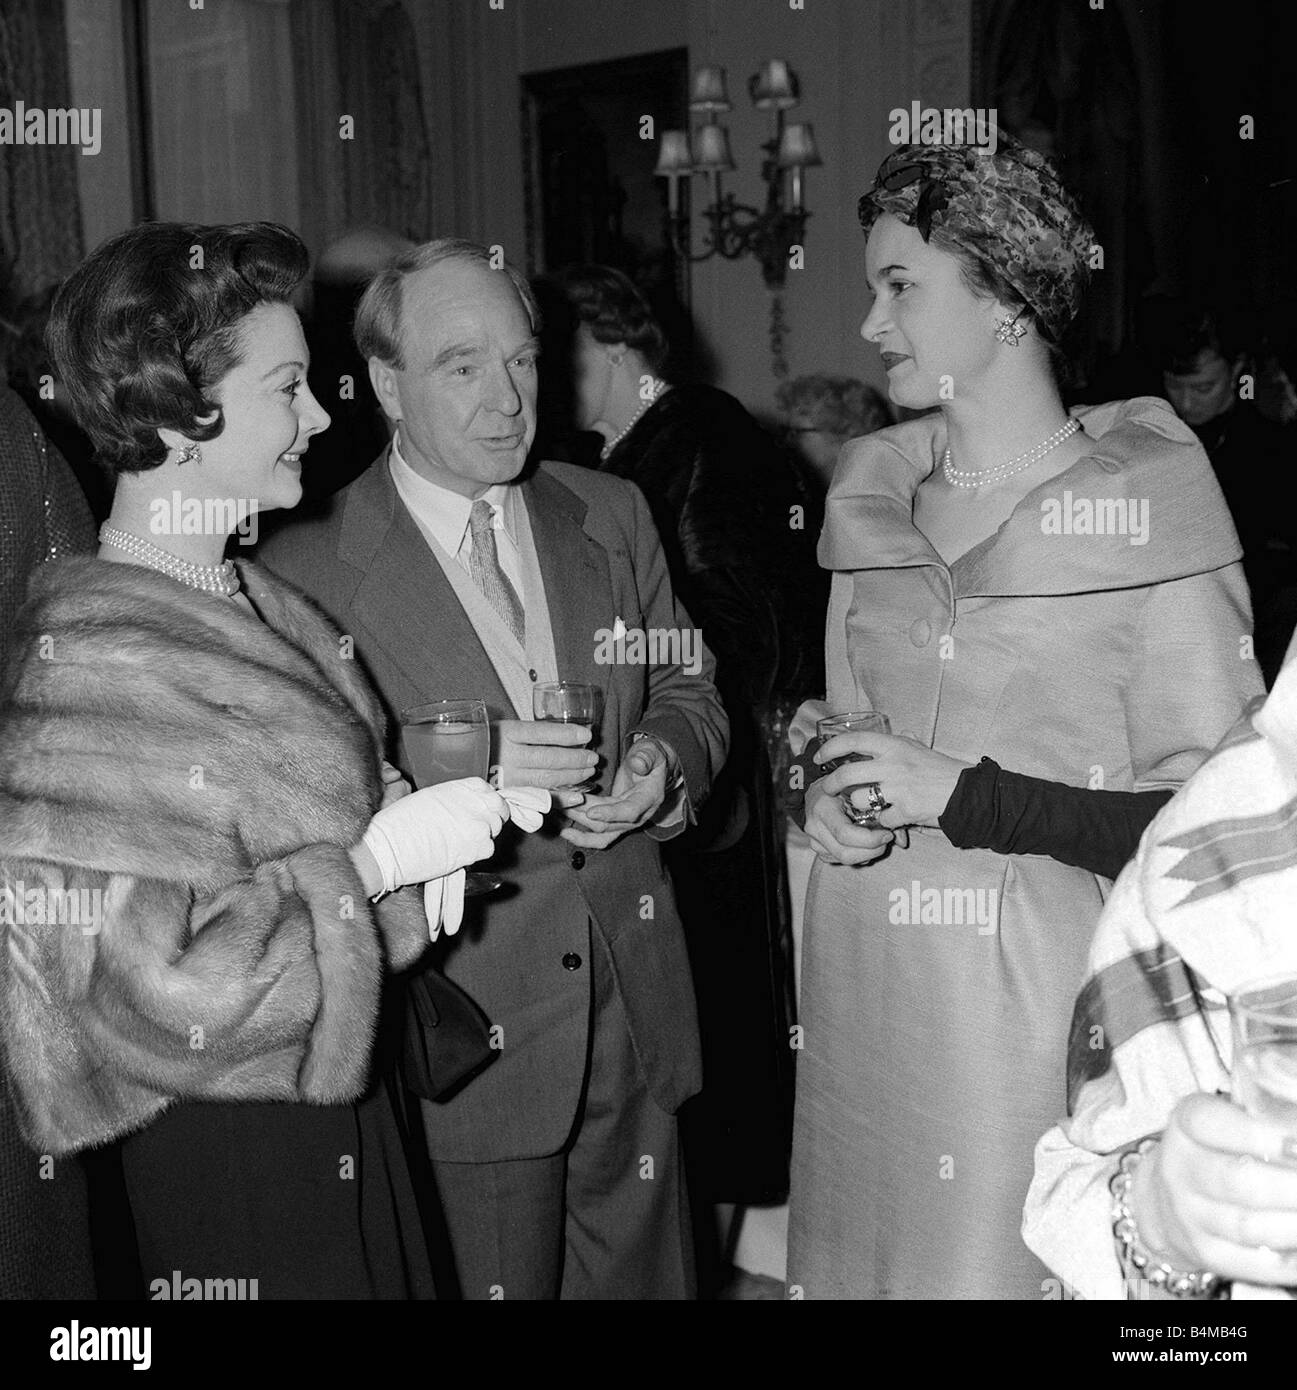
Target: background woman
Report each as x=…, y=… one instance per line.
x=938, y=982
x=190, y=830
x=723, y=495
x=822, y=413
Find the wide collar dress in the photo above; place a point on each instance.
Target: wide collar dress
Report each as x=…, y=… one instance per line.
x=1100, y=637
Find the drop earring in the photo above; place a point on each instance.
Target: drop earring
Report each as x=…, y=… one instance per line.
x=1009, y=330
x=191, y=453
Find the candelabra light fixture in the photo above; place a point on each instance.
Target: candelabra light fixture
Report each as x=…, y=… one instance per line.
x=733, y=228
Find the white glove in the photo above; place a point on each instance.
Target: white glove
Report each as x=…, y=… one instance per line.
x=443, y=898
x=435, y=831
x=443, y=904
x=527, y=806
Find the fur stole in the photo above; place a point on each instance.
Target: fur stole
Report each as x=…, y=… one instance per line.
x=180, y=785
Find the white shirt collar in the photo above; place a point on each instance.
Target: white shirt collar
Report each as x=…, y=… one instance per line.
x=446, y=513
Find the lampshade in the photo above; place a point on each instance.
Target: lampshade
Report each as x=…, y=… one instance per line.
x=709, y=90
x=712, y=150
x=797, y=148
x=674, y=154
x=774, y=88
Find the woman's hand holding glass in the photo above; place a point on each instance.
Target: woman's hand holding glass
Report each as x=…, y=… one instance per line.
x=916, y=781
x=435, y=830
x=1220, y=1193
x=834, y=838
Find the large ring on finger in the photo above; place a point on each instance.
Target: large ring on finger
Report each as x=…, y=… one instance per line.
x=877, y=804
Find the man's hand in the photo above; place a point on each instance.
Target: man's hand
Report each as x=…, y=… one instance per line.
x=638, y=791
x=833, y=836
x=540, y=753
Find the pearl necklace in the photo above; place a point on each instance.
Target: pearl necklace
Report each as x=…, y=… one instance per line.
x=977, y=477
x=210, y=579
x=658, y=388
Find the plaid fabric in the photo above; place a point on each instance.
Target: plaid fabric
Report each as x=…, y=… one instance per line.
x=1209, y=904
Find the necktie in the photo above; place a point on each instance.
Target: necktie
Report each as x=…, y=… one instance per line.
x=484, y=565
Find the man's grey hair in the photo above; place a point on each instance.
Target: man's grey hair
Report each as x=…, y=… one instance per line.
x=378, y=315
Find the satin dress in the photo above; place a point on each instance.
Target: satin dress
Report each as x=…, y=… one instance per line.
x=938, y=983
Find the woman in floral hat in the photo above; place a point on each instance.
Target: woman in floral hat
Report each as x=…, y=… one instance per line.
x=1058, y=593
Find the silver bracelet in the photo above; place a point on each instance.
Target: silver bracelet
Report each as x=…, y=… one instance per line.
x=1198, y=1284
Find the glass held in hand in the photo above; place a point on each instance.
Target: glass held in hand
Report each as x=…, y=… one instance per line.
x=1263, y=1022
x=570, y=702
x=444, y=741
x=858, y=722
x=1263, y=1027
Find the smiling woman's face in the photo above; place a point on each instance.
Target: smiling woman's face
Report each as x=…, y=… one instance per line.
x=270, y=416
x=932, y=330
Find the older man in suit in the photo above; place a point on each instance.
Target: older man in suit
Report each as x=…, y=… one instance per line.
x=460, y=574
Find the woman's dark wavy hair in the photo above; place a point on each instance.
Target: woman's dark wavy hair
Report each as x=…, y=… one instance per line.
x=614, y=310
x=146, y=326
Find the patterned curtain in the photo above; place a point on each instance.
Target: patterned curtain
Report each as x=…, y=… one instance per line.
x=359, y=59
x=40, y=211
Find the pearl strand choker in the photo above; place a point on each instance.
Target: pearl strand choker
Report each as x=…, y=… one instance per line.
x=658, y=388
x=210, y=579
x=977, y=477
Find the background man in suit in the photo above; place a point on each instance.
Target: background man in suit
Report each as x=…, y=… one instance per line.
x=459, y=575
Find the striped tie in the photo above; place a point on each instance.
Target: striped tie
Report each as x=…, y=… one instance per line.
x=484, y=565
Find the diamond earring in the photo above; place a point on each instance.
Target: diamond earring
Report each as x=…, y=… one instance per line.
x=1009, y=330
x=191, y=453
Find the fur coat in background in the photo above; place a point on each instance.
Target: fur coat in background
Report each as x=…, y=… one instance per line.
x=180, y=785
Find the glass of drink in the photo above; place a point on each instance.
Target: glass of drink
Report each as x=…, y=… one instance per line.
x=569, y=702
x=445, y=741
x=859, y=722
x=1263, y=1019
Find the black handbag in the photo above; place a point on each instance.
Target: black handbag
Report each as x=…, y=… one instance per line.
x=447, y=1037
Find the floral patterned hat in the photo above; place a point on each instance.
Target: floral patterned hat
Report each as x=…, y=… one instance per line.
x=1007, y=207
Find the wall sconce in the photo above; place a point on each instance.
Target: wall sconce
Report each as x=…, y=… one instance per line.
x=733, y=228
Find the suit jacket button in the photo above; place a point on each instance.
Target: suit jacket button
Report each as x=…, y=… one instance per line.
x=531, y=675
x=571, y=961
x=578, y=862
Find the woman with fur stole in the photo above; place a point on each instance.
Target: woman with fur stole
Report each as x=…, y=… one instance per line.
x=191, y=834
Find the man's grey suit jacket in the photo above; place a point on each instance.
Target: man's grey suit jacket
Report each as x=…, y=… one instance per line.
x=367, y=564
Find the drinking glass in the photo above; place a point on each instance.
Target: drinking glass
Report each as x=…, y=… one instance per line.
x=444, y=741
x=1263, y=1022
x=1263, y=1019
x=859, y=722
x=569, y=702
